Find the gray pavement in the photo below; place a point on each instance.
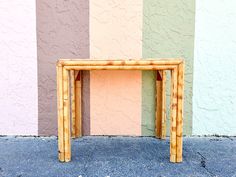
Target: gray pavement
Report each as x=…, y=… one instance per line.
x=117, y=156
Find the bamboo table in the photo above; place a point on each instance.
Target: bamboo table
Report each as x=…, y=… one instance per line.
x=69, y=91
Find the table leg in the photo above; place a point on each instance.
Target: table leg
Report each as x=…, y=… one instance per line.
x=161, y=105
x=61, y=147
x=174, y=77
x=78, y=119
x=66, y=115
x=163, y=122
x=179, y=121
x=72, y=87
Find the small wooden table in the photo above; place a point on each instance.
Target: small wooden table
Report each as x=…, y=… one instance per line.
x=69, y=91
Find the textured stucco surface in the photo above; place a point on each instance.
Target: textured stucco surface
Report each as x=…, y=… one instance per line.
x=115, y=32
x=18, y=60
x=62, y=32
x=86, y=102
x=214, y=93
x=168, y=31
x=116, y=103
x=148, y=103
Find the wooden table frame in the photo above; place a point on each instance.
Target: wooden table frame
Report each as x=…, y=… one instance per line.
x=69, y=78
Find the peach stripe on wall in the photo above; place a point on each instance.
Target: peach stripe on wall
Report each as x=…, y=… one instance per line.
x=115, y=96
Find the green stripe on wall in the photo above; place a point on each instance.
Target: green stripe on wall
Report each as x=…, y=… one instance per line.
x=168, y=31
x=148, y=103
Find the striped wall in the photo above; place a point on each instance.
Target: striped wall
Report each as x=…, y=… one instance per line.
x=37, y=33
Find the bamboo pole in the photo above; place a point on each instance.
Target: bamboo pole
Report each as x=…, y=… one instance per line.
x=82, y=62
x=72, y=84
x=61, y=147
x=176, y=99
x=126, y=67
x=163, y=106
x=78, y=110
x=173, y=115
x=159, y=103
x=66, y=115
x=180, y=112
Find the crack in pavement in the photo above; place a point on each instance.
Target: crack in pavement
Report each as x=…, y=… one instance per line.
x=203, y=164
x=225, y=136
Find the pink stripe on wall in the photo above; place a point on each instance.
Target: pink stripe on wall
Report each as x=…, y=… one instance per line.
x=18, y=61
x=115, y=96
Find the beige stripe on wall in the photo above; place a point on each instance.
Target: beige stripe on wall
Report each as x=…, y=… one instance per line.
x=115, y=96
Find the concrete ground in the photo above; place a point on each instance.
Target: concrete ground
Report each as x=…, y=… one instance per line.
x=117, y=156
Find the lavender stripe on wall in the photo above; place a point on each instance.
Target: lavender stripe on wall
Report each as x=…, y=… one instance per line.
x=62, y=32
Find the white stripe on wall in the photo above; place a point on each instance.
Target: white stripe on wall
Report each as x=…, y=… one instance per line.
x=18, y=61
x=214, y=93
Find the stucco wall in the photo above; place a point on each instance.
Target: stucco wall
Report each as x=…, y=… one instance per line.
x=62, y=32
x=116, y=29
x=168, y=32
x=18, y=61
x=214, y=93
x=115, y=96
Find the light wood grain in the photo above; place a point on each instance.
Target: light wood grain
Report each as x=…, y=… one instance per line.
x=61, y=147
x=72, y=87
x=78, y=110
x=163, y=106
x=180, y=112
x=67, y=141
x=174, y=74
x=177, y=71
x=159, y=103
x=140, y=67
x=127, y=62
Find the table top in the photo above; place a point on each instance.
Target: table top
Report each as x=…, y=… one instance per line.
x=119, y=62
